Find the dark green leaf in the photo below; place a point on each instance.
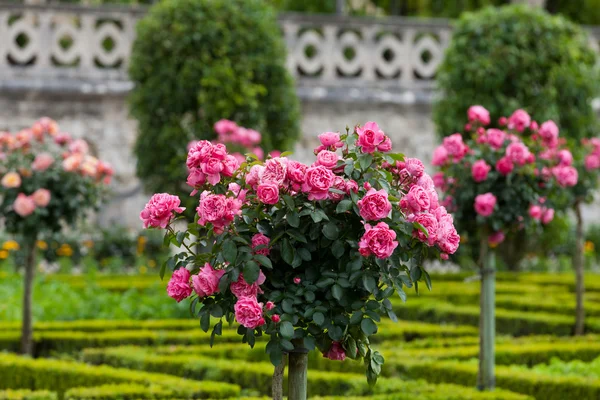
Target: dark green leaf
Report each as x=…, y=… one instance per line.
x=343, y=206
x=369, y=283
x=286, y=329
x=337, y=292
x=368, y=326
x=365, y=161
x=299, y=236
x=331, y=231
x=325, y=282
x=293, y=219
x=251, y=272
x=263, y=260
x=304, y=254
x=318, y=318
x=287, y=251
x=337, y=249
x=289, y=202
x=229, y=251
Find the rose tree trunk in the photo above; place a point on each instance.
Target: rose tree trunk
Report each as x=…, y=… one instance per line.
x=487, y=319
x=578, y=262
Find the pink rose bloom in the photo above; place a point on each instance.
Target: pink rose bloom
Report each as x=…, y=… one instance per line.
x=317, y=182
x=212, y=168
x=296, y=174
x=41, y=197
x=327, y=158
x=415, y=167
x=351, y=186
x=254, y=137
x=478, y=114
x=496, y=238
x=455, y=146
x=196, y=179
x=547, y=216
x=369, y=137
x=275, y=318
x=480, y=170
x=330, y=139
x=42, y=162
x=230, y=165
x=79, y=146
x=199, y=152
x=448, y=239
x=518, y=153
x=258, y=152
x=565, y=176
x=592, y=161
x=261, y=240
x=268, y=193
x=386, y=145
x=72, y=162
x=225, y=126
x=217, y=209
x=535, y=211
x=495, y=138
x=11, y=180
x=248, y=312
x=275, y=170
x=519, y=120
x=179, y=287
x=416, y=200
x=484, y=204
x=336, y=352
x=254, y=176
x=24, y=205
x=160, y=209
x=565, y=157
x=379, y=240
x=241, y=288
x=430, y=223
x=374, y=205
x=237, y=191
x=340, y=184
x=297, y=280
x=206, y=283
x=439, y=181
x=270, y=305
x=533, y=126
x=504, y=166
x=62, y=138
x=549, y=134
x=440, y=156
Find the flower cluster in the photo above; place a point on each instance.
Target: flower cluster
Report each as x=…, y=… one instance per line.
x=506, y=176
x=309, y=251
x=45, y=174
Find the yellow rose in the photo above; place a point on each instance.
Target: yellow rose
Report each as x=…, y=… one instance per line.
x=11, y=180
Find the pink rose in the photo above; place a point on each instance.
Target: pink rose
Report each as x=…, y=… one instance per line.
x=533, y=126
x=41, y=197
x=379, y=240
x=230, y=165
x=297, y=280
x=24, y=205
x=11, y=180
x=270, y=305
x=374, y=205
x=549, y=134
x=62, y=138
x=430, y=223
x=218, y=210
x=565, y=176
x=386, y=145
x=447, y=237
x=518, y=153
x=261, y=240
x=42, y=162
x=504, y=166
x=336, y=352
x=484, y=204
x=496, y=238
x=296, y=174
x=317, y=182
x=340, y=184
x=440, y=156
x=179, y=287
x=439, y=181
x=258, y=152
x=327, y=158
x=592, y=161
x=478, y=114
x=275, y=318
x=417, y=199
x=565, y=157
x=369, y=137
x=254, y=176
x=196, y=179
x=415, y=167
x=241, y=288
x=547, y=216
x=519, y=120
x=225, y=126
x=72, y=162
x=79, y=146
x=198, y=153
x=535, y=211
x=160, y=209
x=455, y=146
x=206, y=283
x=268, y=193
x=495, y=138
x=480, y=170
x=248, y=312
x=330, y=139
x=275, y=170
x=502, y=121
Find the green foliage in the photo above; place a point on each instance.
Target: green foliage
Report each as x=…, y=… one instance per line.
x=515, y=56
x=60, y=376
x=558, y=367
x=25, y=394
x=197, y=61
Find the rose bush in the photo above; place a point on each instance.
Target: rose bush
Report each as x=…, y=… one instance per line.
x=306, y=254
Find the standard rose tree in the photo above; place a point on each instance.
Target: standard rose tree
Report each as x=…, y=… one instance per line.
x=306, y=254
x=48, y=181
x=497, y=181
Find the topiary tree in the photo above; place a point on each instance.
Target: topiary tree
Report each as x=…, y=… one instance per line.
x=195, y=62
x=516, y=56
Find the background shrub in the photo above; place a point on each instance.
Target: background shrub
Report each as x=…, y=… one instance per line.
x=518, y=57
x=197, y=61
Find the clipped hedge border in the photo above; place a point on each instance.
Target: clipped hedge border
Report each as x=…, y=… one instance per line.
x=46, y=342
x=559, y=305
x=25, y=394
x=130, y=391
x=542, y=387
x=508, y=322
x=18, y=372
